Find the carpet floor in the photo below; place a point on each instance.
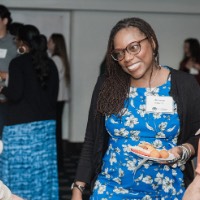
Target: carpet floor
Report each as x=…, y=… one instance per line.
x=67, y=174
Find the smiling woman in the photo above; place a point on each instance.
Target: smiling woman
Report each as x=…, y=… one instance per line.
x=135, y=102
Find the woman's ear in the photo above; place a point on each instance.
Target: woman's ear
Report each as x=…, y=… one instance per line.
x=5, y=21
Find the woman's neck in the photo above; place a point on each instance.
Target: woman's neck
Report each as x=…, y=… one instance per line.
x=157, y=76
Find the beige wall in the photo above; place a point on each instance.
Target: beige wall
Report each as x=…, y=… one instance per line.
x=86, y=25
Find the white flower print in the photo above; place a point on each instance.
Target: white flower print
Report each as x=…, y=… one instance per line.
x=113, y=121
x=160, y=135
x=102, y=189
x=120, y=190
x=106, y=173
x=124, y=112
x=117, y=150
x=147, y=197
x=147, y=165
x=134, y=127
x=167, y=184
x=96, y=185
x=151, y=92
x=154, y=186
x=121, y=132
x=139, y=178
x=149, y=127
x=174, y=172
x=131, y=165
x=171, y=129
x=117, y=180
x=162, y=126
x=132, y=103
x=157, y=144
x=131, y=121
x=166, y=168
x=147, y=180
x=142, y=110
x=134, y=135
x=126, y=148
x=175, y=140
x=109, y=148
x=159, y=178
x=133, y=92
x=157, y=115
x=121, y=172
x=113, y=158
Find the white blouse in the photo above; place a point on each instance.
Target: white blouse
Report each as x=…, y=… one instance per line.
x=63, y=93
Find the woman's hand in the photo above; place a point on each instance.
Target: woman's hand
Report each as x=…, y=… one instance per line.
x=176, y=151
x=14, y=197
x=3, y=75
x=197, y=66
x=76, y=194
x=182, y=154
x=193, y=190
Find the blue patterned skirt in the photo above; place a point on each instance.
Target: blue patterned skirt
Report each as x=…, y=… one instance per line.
x=28, y=164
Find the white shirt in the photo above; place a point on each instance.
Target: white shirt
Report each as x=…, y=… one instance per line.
x=63, y=93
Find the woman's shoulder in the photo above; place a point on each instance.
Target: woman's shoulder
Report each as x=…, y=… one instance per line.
x=180, y=75
x=184, y=81
x=20, y=59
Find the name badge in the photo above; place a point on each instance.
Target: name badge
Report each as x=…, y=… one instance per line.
x=3, y=53
x=159, y=104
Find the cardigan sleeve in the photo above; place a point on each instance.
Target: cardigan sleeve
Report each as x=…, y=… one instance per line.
x=198, y=160
x=193, y=114
x=85, y=167
x=15, y=88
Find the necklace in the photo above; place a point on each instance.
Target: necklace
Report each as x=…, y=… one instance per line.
x=153, y=79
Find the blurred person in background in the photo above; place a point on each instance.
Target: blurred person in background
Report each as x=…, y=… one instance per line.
x=5, y=193
x=193, y=191
x=191, y=58
x=58, y=51
x=14, y=29
x=7, y=52
x=28, y=164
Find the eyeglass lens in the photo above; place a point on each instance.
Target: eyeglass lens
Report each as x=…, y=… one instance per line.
x=132, y=48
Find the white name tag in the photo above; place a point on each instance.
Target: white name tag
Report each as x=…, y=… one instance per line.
x=159, y=104
x=3, y=53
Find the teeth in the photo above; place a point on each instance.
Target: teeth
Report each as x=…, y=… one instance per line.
x=133, y=66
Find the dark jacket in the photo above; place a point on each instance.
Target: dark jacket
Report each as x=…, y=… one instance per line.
x=27, y=100
x=186, y=93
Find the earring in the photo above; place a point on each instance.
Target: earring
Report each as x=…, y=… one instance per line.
x=21, y=50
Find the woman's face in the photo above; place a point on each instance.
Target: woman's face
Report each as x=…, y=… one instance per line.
x=139, y=65
x=50, y=45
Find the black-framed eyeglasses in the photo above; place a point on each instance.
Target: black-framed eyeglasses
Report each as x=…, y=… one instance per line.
x=132, y=48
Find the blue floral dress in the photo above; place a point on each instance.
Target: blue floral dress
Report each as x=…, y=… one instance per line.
x=119, y=179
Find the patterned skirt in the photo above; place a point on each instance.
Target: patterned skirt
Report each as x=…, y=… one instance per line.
x=28, y=164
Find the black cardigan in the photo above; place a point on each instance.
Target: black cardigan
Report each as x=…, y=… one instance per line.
x=27, y=100
x=186, y=93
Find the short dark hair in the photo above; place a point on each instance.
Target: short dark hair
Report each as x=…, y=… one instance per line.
x=5, y=13
x=14, y=28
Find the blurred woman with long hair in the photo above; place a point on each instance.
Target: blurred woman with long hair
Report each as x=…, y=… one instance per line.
x=28, y=164
x=191, y=58
x=57, y=49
